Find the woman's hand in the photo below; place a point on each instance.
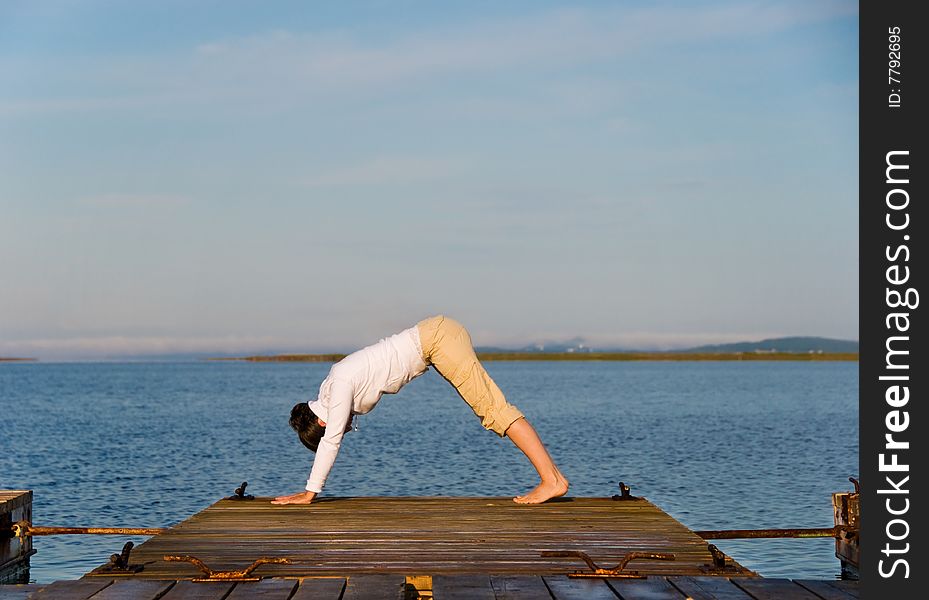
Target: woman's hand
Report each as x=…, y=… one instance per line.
x=298, y=498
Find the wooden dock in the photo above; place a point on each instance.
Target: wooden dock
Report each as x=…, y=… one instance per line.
x=428, y=548
x=15, y=506
x=443, y=587
x=448, y=536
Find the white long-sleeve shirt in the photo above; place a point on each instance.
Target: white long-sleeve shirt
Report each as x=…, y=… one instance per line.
x=355, y=385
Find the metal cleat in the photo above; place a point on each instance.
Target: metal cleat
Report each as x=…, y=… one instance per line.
x=240, y=575
x=624, y=493
x=240, y=493
x=719, y=562
x=119, y=564
x=616, y=572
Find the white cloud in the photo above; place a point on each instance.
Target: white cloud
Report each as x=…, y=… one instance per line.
x=282, y=66
x=555, y=38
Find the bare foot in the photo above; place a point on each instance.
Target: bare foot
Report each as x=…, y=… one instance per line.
x=546, y=490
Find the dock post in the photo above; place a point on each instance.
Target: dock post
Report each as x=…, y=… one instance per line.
x=846, y=509
x=15, y=506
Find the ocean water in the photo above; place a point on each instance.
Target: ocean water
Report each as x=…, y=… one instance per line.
x=718, y=445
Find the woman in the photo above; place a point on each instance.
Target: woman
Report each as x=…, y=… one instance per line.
x=355, y=385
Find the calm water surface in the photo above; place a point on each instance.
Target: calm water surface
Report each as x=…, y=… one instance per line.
x=718, y=445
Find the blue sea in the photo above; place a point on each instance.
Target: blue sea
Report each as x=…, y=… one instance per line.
x=718, y=445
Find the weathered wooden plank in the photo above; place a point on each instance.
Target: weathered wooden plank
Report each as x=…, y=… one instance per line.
x=774, y=589
x=134, y=589
x=709, y=588
x=519, y=587
x=320, y=589
x=846, y=585
x=18, y=592
x=375, y=587
x=189, y=590
x=565, y=588
x=266, y=589
x=824, y=590
x=71, y=590
x=468, y=587
x=462, y=587
x=650, y=588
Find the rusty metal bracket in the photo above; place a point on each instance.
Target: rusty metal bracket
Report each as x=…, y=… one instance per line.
x=624, y=493
x=22, y=529
x=240, y=493
x=616, y=572
x=797, y=532
x=240, y=575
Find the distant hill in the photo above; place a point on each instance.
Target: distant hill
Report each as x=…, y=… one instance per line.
x=784, y=344
x=785, y=348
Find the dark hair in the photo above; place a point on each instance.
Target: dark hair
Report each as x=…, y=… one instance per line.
x=304, y=421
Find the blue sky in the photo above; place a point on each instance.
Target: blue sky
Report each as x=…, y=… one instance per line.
x=281, y=176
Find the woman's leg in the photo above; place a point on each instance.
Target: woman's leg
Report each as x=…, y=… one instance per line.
x=553, y=483
x=447, y=346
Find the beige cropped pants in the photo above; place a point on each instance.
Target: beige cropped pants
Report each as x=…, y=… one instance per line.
x=447, y=346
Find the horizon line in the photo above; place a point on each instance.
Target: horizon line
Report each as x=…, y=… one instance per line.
x=575, y=344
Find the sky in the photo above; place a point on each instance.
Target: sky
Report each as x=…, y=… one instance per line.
x=239, y=177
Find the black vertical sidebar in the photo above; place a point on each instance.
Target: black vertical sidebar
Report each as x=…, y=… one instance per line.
x=893, y=373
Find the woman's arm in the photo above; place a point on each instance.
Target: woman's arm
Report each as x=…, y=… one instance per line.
x=341, y=395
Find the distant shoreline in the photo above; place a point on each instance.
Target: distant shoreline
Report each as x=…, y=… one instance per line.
x=578, y=356
x=15, y=359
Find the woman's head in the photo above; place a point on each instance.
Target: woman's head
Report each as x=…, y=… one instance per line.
x=305, y=422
